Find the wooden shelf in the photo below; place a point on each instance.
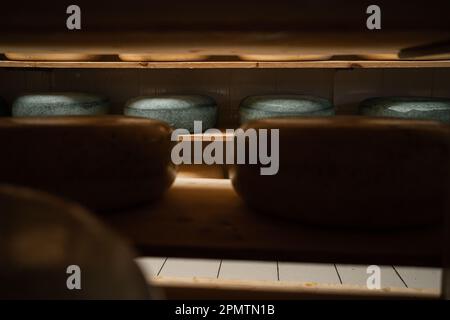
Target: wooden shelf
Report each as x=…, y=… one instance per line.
x=329, y=64
x=205, y=218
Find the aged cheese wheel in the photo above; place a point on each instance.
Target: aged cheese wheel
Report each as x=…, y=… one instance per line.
x=51, y=56
x=163, y=57
x=42, y=235
x=270, y=106
x=426, y=108
x=284, y=57
x=180, y=111
x=105, y=163
x=59, y=104
x=352, y=171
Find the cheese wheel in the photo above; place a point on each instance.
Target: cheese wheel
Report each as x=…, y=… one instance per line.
x=42, y=235
x=105, y=163
x=351, y=172
x=59, y=104
x=163, y=57
x=421, y=108
x=284, y=57
x=51, y=56
x=270, y=106
x=179, y=111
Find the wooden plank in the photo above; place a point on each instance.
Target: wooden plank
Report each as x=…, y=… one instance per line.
x=201, y=171
x=175, y=267
x=308, y=272
x=200, y=288
x=150, y=266
x=420, y=278
x=357, y=275
x=206, y=218
x=248, y=270
x=334, y=64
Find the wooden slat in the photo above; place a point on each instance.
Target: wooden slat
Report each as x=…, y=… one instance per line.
x=308, y=272
x=206, y=218
x=201, y=288
x=175, y=267
x=357, y=275
x=248, y=270
x=150, y=266
x=334, y=64
x=420, y=278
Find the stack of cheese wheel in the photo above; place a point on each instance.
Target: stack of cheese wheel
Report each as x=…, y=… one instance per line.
x=49, y=246
x=105, y=163
x=51, y=56
x=180, y=111
x=59, y=104
x=270, y=106
x=424, y=108
x=350, y=171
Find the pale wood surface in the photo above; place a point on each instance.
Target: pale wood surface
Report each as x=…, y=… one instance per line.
x=206, y=218
x=357, y=275
x=248, y=270
x=333, y=64
x=207, y=288
x=204, y=268
x=192, y=273
x=415, y=277
x=308, y=272
x=150, y=266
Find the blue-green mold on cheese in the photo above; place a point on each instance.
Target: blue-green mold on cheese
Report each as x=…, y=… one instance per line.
x=420, y=108
x=179, y=111
x=59, y=104
x=271, y=106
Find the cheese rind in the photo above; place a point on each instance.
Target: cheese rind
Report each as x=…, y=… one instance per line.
x=105, y=163
x=350, y=171
x=42, y=235
x=420, y=108
x=59, y=104
x=179, y=111
x=271, y=106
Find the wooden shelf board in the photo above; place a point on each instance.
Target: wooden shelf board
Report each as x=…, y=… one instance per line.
x=208, y=288
x=336, y=64
x=205, y=218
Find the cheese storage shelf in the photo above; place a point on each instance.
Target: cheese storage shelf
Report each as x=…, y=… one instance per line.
x=329, y=64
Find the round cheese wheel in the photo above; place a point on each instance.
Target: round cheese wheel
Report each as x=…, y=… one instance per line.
x=163, y=57
x=270, y=106
x=106, y=163
x=47, y=243
x=284, y=57
x=350, y=171
x=423, y=108
x=59, y=104
x=51, y=56
x=179, y=111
